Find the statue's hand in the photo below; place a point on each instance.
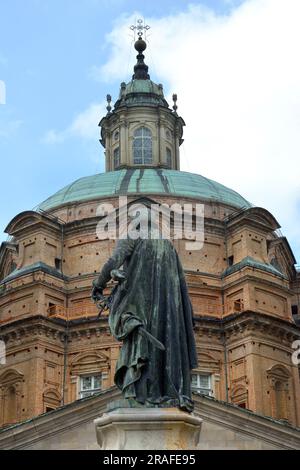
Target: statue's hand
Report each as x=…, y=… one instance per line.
x=118, y=275
x=97, y=293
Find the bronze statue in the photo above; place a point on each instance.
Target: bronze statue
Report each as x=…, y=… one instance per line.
x=151, y=313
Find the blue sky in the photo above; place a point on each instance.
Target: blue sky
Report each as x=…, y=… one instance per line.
x=54, y=60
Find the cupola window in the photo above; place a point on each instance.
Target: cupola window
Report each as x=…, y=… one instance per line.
x=142, y=146
x=116, y=157
x=168, y=157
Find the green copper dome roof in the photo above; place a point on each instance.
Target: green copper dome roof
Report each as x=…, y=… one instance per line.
x=141, y=93
x=143, y=86
x=145, y=181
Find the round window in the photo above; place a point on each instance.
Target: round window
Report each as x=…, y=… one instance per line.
x=168, y=134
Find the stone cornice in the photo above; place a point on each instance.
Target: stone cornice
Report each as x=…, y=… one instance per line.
x=33, y=279
x=66, y=283
x=53, y=328
x=32, y=326
x=250, y=424
x=243, y=277
x=257, y=217
x=237, y=324
x=157, y=196
x=31, y=270
x=26, y=223
x=248, y=321
x=76, y=414
x=65, y=418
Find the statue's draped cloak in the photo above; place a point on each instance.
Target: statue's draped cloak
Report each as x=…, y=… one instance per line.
x=154, y=296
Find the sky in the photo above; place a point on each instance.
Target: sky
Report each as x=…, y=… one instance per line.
x=234, y=65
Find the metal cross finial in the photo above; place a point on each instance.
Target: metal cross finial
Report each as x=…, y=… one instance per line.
x=140, y=28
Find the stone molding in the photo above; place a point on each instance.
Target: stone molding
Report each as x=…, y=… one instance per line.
x=62, y=420
x=230, y=416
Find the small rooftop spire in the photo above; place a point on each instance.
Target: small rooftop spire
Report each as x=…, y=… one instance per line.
x=140, y=69
x=108, y=107
x=175, y=107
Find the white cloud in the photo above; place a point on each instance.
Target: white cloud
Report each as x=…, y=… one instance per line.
x=9, y=129
x=2, y=92
x=53, y=137
x=84, y=126
x=122, y=53
x=237, y=77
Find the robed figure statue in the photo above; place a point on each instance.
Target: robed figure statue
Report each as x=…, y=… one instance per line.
x=151, y=314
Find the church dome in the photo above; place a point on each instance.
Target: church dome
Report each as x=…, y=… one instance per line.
x=144, y=181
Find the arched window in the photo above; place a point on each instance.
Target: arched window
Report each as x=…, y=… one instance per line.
x=142, y=146
x=279, y=378
x=168, y=157
x=239, y=396
x=11, y=386
x=10, y=408
x=116, y=157
x=280, y=400
x=52, y=399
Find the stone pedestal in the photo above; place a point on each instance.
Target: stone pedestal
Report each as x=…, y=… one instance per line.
x=149, y=429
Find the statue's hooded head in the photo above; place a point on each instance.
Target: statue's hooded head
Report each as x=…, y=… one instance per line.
x=144, y=223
